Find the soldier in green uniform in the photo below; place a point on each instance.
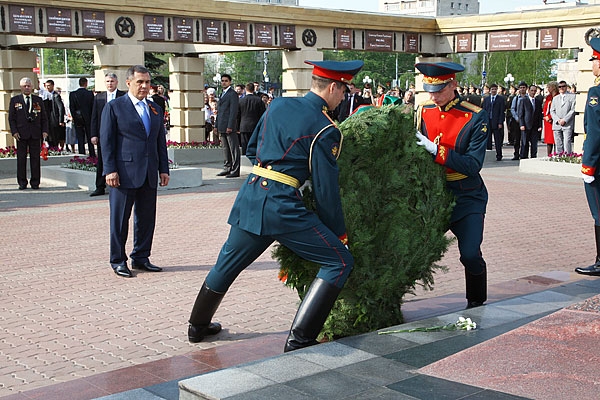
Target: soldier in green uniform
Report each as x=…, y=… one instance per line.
x=455, y=133
x=591, y=155
x=295, y=140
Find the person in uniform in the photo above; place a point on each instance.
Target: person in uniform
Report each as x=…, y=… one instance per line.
x=591, y=155
x=295, y=140
x=455, y=133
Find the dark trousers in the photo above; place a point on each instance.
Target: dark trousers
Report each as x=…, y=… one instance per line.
x=143, y=202
x=529, y=137
x=498, y=134
x=469, y=232
x=592, y=194
x=244, y=139
x=231, y=152
x=514, y=136
x=33, y=147
x=100, y=180
x=83, y=138
x=317, y=244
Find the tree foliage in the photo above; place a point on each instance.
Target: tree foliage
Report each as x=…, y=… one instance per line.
x=531, y=66
x=397, y=210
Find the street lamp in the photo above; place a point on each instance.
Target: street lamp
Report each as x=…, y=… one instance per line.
x=367, y=80
x=217, y=80
x=509, y=79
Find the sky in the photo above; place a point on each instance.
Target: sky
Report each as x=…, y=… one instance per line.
x=485, y=6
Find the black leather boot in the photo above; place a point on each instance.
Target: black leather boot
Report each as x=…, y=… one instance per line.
x=205, y=307
x=594, y=269
x=311, y=315
x=476, y=286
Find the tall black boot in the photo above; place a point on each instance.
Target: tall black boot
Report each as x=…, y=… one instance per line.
x=594, y=269
x=476, y=286
x=311, y=315
x=205, y=307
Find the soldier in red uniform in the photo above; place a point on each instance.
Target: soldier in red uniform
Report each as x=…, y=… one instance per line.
x=455, y=133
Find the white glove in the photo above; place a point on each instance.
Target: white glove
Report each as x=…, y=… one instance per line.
x=428, y=144
x=588, y=178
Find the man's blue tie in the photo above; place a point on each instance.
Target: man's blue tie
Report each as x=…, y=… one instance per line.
x=145, y=118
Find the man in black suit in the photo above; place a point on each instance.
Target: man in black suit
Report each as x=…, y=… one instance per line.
x=251, y=109
x=28, y=125
x=351, y=101
x=55, y=110
x=530, y=122
x=495, y=105
x=134, y=153
x=227, y=128
x=111, y=81
x=81, y=103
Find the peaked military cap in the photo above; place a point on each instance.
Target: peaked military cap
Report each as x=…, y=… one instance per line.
x=437, y=75
x=342, y=71
x=595, y=44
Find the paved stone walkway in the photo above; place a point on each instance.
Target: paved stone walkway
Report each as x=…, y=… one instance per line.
x=64, y=315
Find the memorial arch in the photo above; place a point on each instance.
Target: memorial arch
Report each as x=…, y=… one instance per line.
x=120, y=33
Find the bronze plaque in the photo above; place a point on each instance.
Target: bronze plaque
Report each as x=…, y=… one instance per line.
x=464, y=42
x=211, y=31
x=154, y=27
x=94, y=24
x=238, y=33
x=21, y=19
x=505, y=41
x=378, y=40
x=183, y=30
x=264, y=34
x=343, y=38
x=287, y=36
x=549, y=38
x=411, y=43
x=59, y=21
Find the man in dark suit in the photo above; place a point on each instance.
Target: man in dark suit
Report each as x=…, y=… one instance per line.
x=530, y=122
x=351, y=101
x=227, y=128
x=251, y=109
x=111, y=81
x=81, y=103
x=55, y=110
x=28, y=125
x=134, y=151
x=495, y=105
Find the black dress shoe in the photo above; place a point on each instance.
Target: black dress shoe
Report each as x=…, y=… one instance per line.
x=473, y=304
x=148, y=266
x=197, y=333
x=233, y=176
x=123, y=271
x=515, y=158
x=22, y=187
x=223, y=173
x=592, y=270
x=97, y=192
x=35, y=187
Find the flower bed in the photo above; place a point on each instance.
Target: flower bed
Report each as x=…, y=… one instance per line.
x=548, y=166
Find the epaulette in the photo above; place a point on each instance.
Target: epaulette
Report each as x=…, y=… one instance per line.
x=470, y=106
x=426, y=103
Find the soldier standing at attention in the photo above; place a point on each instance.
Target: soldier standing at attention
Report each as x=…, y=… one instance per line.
x=294, y=141
x=455, y=133
x=591, y=155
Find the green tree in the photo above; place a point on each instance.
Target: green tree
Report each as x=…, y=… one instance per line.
x=158, y=65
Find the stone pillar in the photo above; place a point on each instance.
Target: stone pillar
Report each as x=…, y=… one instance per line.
x=297, y=75
x=116, y=59
x=186, y=99
x=585, y=80
x=16, y=64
